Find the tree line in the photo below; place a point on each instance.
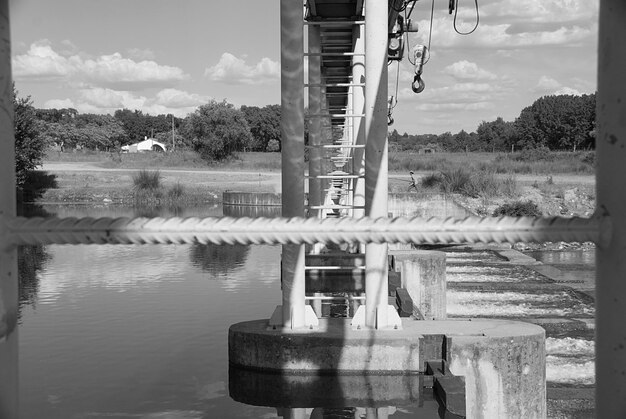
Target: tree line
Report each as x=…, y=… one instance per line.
x=215, y=130
x=556, y=122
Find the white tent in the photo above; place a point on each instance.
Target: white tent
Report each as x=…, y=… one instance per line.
x=149, y=144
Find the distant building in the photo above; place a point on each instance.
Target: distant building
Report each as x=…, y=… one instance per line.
x=149, y=144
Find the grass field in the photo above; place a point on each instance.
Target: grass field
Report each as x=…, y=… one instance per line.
x=182, y=159
x=535, y=162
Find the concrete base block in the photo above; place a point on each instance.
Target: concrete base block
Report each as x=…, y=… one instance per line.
x=276, y=321
x=390, y=317
x=502, y=362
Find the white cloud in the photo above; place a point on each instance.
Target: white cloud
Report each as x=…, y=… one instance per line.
x=546, y=84
x=233, y=70
x=103, y=100
x=567, y=91
x=541, y=10
x=141, y=54
x=115, y=70
x=174, y=98
x=41, y=62
x=549, y=86
x=501, y=35
x=465, y=70
x=59, y=104
x=458, y=92
x=446, y=107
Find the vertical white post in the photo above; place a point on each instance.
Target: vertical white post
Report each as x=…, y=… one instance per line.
x=8, y=253
x=376, y=38
x=292, y=135
x=315, y=123
x=358, y=103
x=611, y=198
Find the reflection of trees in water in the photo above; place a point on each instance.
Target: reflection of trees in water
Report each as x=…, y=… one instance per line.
x=151, y=211
x=30, y=261
x=218, y=260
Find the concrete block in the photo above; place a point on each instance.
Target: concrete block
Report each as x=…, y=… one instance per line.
x=424, y=277
x=505, y=374
x=502, y=362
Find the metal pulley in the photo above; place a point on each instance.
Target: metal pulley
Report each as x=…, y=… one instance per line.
x=420, y=84
x=419, y=59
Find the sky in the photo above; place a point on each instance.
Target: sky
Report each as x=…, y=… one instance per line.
x=171, y=56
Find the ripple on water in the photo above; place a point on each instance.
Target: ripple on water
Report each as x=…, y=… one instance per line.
x=469, y=273
x=514, y=304
x=570, y=361
x=472, y=257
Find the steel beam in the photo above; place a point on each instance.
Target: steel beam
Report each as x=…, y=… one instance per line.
x=358, y=104
x=315, y=124
x=8, y=253
x=292, y=135
x=611, y=199
x=376, y=178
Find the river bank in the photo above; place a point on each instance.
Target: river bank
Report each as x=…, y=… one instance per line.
x=87, y=182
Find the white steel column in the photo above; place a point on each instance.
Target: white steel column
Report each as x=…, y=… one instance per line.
x=292, y=314
x=8, y=253
x=377, y=310
x=358, y=102
x=611, y=198
x=315, y=123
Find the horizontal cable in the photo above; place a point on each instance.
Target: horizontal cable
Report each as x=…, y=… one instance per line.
x=298, y=230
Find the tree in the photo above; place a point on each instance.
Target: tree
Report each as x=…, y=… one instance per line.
x=136, y=126
x=495, y=135
x=217, y=130
x=557, y=122
x=99, y=132
x=264, y=125
x=30, y=146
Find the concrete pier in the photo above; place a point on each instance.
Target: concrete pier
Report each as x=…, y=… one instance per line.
x=423, y=274
x=503, y=362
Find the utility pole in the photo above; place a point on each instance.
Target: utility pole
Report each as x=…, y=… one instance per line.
x=173, y=143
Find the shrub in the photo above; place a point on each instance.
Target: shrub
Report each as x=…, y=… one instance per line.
x=509, y=186
x=146, y=180
x=483, y=184
x=273, y=146
x=455, y=181
x=518, y=209
x=176, y=191
x=432, y=180
x=536, y=154
x=589, y=158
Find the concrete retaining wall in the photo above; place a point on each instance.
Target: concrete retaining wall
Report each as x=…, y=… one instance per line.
x=424, y=205
x=251, y=198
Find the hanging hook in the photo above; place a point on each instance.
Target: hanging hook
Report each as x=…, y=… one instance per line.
x=420, y=84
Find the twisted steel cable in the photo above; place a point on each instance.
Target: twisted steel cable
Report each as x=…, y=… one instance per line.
x=304, y=230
